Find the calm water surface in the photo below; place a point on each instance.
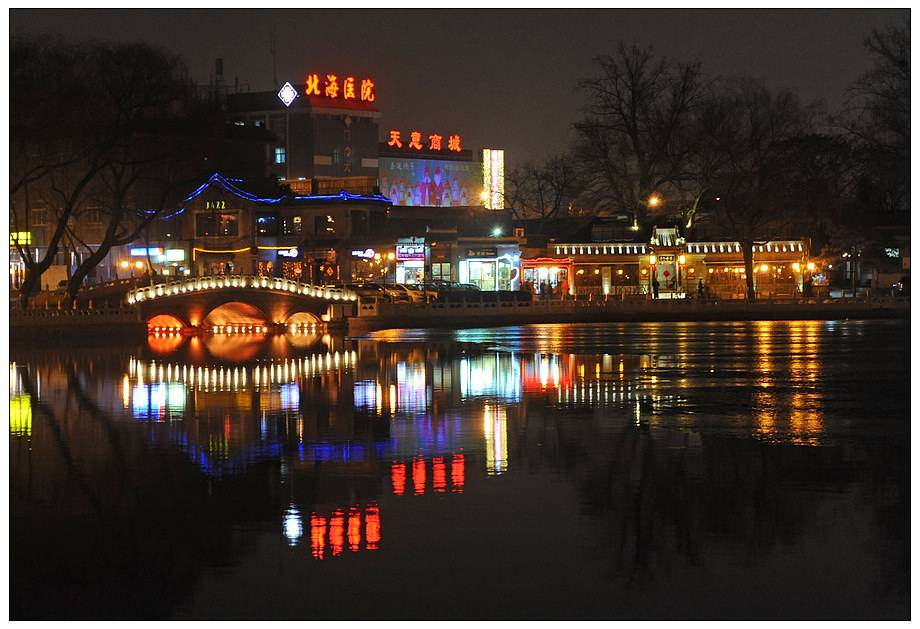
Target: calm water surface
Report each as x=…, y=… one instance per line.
x=709, y=470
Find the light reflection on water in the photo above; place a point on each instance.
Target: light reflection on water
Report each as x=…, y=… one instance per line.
x=659, y=449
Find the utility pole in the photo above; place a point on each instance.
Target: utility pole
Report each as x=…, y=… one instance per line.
x=273, y=52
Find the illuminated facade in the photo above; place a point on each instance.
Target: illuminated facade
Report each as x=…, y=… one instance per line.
x=681, y=268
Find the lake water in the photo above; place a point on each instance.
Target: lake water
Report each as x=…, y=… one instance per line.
x=625, y=471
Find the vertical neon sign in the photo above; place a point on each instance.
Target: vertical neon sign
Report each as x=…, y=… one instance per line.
x=493, y=178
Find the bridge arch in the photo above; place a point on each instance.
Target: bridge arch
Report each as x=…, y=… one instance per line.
x=165, y=323
x=302, y=318
x=240, y=316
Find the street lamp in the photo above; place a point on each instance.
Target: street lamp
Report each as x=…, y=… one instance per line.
x=654, y=200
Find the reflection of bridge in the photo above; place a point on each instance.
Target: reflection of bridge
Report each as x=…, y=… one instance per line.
x=235, y=299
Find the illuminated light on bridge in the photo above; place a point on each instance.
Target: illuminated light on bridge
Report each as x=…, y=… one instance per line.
x=209, y=283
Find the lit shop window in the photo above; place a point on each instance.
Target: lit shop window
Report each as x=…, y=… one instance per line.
x=217, y=224
x=280, y=156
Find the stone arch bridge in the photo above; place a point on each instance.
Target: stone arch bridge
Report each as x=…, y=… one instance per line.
x=209, y=301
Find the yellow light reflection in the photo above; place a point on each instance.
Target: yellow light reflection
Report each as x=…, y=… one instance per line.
x=21, y=416
x=495, y=429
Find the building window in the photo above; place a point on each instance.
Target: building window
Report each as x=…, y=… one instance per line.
x=266, y=224
x=358, y=223
x=440, y=271
x=291, y=225
x=324, y=226
x=336, y=156
x=217, y=224
x=93, y=216
x=280, y=157
x=39, y=217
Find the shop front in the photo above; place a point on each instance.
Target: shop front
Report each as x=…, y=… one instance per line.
x=548, y=276
x=410, y=262
x=490, y=267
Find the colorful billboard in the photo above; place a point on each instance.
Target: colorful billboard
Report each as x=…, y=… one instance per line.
x=430, y=182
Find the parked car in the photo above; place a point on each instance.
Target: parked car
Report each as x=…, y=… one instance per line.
x=398, y=293
x=367, y=290
x=427, y=291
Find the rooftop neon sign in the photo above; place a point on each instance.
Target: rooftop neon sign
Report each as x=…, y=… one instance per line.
x=417, y=141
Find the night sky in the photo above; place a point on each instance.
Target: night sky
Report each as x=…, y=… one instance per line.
x=501, y=78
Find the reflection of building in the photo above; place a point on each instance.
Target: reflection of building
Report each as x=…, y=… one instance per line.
x=446, y=474
x=341, y=529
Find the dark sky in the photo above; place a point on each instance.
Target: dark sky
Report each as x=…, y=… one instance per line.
x=500, y=78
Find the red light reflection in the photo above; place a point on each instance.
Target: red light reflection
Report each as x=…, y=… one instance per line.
x=372, y=527
x=318, y=535
x=354, y=530
x=398, y=475
x=438, y=475
x=419, y=476
x=337, y=532
x=457, y=473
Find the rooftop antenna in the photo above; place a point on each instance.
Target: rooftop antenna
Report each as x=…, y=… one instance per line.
x=273, y=51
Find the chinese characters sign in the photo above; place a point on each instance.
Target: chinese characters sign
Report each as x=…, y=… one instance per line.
x=340, y=87
x=410, y=252
x=334, y=86
x=418, y=141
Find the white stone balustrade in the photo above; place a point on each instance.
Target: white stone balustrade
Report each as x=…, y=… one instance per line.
x=222, y=282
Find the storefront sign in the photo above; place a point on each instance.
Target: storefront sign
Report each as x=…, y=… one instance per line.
x=666, y=258
x=482, y=252
x=175, y=255
x=366, y=253
x=289, y=253
x=23, y=238
x=145, y=251
x=418, y=141
x=410, y=252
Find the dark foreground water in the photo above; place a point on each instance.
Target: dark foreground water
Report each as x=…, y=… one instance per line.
x=711, y=470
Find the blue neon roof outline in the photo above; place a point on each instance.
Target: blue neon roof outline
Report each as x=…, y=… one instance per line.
x=226, y=184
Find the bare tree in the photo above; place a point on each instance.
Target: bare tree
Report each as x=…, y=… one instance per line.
x=634, y=139
x=543, y=191
x=95, y=105
x=747, y=147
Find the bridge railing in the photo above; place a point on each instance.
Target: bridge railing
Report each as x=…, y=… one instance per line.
x=222, y=282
